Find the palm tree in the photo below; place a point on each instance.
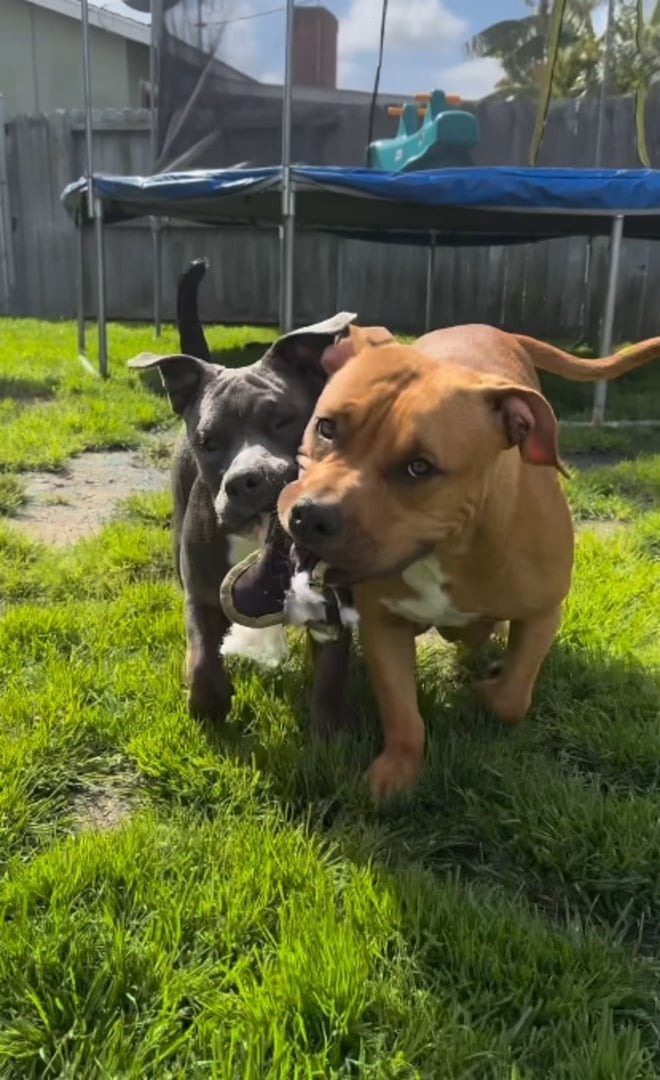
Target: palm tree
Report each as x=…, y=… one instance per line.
x=523, y=46
x=630, y=63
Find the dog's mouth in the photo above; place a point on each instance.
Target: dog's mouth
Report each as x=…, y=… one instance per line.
x=345, y=575
x=251, y=527
x=279, y=583
x=307, y=561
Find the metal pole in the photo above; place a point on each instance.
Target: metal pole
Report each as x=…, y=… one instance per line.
x=430, y=276
x=600, y=390
x=87, y=90
x=156, y=235
x=6, y=254
x=94, y=204
x=81, y=285
x=288, y=227
x=100, y=282
x=604, y=86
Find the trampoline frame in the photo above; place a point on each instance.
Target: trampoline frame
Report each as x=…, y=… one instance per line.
x=287, y=225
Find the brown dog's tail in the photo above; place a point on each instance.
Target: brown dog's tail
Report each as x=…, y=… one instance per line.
x=549, y=358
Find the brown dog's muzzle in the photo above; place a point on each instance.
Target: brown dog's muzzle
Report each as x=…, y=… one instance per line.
x=316, y=524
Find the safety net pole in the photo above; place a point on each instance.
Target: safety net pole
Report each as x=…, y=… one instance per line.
x=154, y=77
x=288, y=226
x=94, y=208
x=605, y=348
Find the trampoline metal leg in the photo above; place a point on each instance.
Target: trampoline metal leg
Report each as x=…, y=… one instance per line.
x=81, y=289
x=287, y=243
x=100, y=289
x=157, y=245
x=605, y=346
x=430, y=277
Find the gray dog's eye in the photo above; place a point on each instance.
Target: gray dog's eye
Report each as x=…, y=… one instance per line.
x=281, y=422
x=208, y=443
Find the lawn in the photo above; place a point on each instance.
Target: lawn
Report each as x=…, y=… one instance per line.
x=185, y=902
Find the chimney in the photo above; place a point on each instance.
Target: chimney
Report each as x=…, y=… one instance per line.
x=314, y=47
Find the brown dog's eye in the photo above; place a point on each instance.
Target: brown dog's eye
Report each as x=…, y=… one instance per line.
x=418, y=468
x=326, y=427
x=205, y=442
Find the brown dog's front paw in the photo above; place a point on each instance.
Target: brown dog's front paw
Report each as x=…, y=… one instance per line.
x=394, y=772
x=507, y=704
x=209, y=693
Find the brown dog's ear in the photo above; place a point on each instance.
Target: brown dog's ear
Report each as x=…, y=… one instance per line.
x=358, y=338
x=182, y=375
x=529, y=423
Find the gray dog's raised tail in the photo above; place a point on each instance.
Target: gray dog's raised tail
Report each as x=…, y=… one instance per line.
x=191, y=332
x=549, y=358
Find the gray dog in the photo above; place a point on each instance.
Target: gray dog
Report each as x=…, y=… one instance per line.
x=242, y=432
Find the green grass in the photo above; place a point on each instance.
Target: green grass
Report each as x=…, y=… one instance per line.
x=12, y=494
x=241, y=911
x=51, y=408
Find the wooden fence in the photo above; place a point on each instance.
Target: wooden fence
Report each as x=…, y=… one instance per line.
x=536, y=288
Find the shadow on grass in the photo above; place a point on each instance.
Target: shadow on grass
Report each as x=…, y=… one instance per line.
x=18, y=389
x=560, y=809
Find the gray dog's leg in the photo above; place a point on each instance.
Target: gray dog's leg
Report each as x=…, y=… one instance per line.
x=203, y=565
x=330, y=708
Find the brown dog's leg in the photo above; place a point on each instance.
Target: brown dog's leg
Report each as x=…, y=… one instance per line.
x=330, y=711
x=509, y=694
x=389, y=651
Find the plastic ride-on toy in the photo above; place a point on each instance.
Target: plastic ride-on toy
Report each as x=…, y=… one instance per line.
x=432, y=135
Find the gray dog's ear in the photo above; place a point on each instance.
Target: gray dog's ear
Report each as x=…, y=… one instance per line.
x=182, y=375
x=304, y=348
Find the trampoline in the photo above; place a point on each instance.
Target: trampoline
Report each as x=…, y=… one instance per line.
x=494, y=205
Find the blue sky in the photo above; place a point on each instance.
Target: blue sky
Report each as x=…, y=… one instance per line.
x=424, y=44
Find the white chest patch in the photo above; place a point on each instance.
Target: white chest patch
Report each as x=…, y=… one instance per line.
x=266, y=646
x=431, y=604
x=240, y=547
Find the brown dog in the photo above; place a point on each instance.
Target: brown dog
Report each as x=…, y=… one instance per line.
x=429, y=483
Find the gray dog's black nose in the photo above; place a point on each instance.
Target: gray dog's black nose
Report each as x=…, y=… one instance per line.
x=312, y=523
x=244, y=486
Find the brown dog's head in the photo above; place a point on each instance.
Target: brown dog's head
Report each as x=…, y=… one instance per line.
x=400, y=451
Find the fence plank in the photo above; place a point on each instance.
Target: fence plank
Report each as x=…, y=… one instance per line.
x=536, y=288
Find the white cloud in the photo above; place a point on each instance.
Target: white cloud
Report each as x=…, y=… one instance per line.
x=272, y=76
x=411, y=24
x=472, y=79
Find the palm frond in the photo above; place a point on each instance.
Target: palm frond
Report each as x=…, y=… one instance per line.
x=641, y=92
x=502, y=38
x=556, y=21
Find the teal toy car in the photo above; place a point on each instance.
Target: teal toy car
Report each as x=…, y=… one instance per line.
x=431, y=135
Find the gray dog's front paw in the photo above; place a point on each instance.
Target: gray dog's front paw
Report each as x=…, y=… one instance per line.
x=330, y=720
x=210, y=691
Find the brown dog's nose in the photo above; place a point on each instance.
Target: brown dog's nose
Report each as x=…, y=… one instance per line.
x=313, y=523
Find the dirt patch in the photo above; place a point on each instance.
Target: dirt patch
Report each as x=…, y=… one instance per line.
x=601, y=528
x=102, y=808
x=65, y=506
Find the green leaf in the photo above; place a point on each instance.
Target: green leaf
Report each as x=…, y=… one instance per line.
x=641, y=92
x=546, y=89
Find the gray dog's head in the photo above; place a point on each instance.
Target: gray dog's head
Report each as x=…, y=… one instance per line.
x=245, y=425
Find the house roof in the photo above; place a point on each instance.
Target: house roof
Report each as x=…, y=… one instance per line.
x=111, y=15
